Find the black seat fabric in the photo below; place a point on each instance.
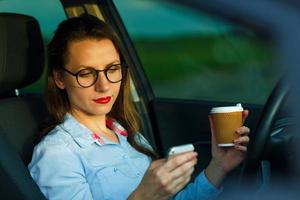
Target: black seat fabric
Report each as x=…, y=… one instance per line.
x=21, y=117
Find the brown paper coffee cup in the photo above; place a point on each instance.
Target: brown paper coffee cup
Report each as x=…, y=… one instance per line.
x=226, y=120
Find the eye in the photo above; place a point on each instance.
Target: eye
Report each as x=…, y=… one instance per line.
x=113, y=69
x=86, y=73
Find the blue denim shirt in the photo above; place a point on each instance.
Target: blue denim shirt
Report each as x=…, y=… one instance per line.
x=70, y=164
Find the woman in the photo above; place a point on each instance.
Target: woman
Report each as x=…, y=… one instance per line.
x=88, y=154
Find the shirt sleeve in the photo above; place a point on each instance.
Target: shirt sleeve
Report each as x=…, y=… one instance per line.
x=200, y=189
x=59, y=173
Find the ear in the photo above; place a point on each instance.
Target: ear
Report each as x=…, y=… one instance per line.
x=58, y=80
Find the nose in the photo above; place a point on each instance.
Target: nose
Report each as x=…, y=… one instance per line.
x=102, y=84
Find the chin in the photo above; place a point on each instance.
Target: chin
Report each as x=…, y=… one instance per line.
x=100, y=111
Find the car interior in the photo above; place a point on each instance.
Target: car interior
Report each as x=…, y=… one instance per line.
x=24, y=115
x=22, y=61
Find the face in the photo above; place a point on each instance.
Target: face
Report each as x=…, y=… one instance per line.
x=99, y=98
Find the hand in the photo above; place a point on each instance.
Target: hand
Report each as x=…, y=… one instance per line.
x=226, y=159
x=165, y=177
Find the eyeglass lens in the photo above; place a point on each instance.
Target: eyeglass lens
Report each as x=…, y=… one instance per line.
x=88, y=77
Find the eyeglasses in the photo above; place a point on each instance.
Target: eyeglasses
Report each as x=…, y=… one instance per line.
x=89, y=76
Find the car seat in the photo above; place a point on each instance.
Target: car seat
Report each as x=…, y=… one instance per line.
x=21, y=116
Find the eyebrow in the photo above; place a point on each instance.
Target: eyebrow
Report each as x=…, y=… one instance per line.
x=106, y=66
x=113, y=63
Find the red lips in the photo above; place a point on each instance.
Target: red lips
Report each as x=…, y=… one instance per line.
x=103, y=100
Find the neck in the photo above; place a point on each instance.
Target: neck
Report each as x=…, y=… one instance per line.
x=96, y=123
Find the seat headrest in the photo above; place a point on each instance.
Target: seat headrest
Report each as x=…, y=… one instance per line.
x=21, y=51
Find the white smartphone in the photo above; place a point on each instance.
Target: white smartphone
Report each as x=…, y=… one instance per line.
x=180, y=149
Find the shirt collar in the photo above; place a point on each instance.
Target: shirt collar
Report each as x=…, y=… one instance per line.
x=84, y=137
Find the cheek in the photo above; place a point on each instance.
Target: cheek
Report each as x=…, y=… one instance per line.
x=76, y=94
x=117, y=89
x=70, y=82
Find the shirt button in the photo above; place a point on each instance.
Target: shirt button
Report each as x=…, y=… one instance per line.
x=138, y=174
x=115, y=169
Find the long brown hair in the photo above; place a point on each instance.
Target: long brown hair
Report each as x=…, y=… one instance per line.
x=78, y=29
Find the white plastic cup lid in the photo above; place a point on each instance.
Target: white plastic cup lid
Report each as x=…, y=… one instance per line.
x=226, y=109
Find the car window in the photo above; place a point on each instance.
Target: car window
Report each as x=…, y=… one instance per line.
x=41, y=10
x=189, y=55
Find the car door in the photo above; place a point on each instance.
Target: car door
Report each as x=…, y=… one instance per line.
x=192, y=62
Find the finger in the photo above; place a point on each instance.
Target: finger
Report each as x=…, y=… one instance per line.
x=183, y=169
x=243, y=130
x=157, y=163
x=181, y=181
x=241, y=148
x=178, y=180
x=178, y=160
x=242, y=140
x=170, y=186
x=245, y=115
x=183, y=184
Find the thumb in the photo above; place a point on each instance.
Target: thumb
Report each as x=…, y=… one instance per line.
x=157, y=163
x=245, y=115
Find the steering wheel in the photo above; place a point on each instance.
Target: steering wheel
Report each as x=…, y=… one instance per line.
x=261, y=135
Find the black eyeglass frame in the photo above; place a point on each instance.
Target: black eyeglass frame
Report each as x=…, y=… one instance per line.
x=122, y=66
